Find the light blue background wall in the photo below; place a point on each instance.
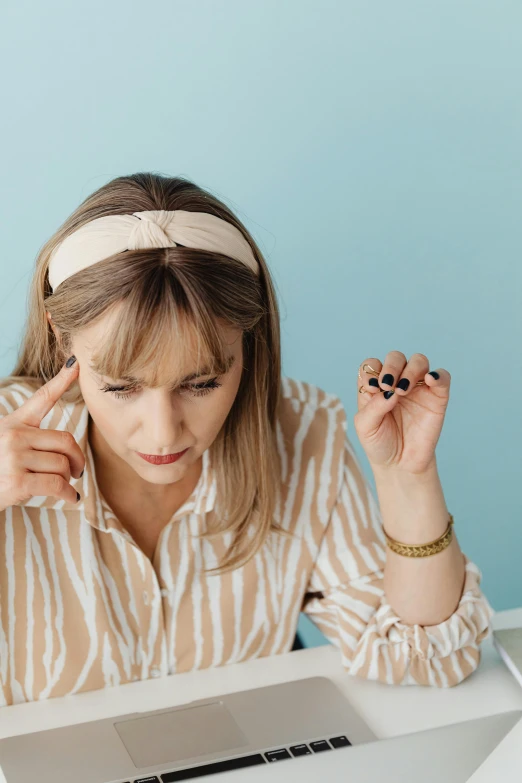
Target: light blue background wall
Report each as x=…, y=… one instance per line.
x=373, y=148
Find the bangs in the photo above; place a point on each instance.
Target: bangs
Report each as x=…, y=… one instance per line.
x=158, y=335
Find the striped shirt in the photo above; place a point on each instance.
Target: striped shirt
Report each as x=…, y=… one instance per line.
x=82, y=607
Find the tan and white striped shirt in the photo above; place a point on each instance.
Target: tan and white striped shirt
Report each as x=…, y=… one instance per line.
x=82, y=607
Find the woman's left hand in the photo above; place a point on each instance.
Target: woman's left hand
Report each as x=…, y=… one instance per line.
x=401, y=432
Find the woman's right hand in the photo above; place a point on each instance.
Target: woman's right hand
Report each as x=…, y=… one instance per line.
x=38, y=462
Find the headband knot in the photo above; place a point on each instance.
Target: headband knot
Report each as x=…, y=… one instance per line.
x=111, y=234
x=151, y=230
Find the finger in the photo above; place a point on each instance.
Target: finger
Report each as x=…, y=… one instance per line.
x=372, y=411
x=439, y=385
x=414, y=371
x=45, y=462
x=60, y=442
x=368, y=374
x=36, y=484
x=394, y=364
x=367, y=383
x=43, y=400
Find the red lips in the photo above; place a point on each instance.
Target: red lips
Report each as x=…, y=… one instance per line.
x=167, y=459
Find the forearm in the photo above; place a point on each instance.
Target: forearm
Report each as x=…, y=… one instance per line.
x=422, y=591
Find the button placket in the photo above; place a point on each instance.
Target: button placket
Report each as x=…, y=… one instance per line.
x=151, y=598
x=163, y=591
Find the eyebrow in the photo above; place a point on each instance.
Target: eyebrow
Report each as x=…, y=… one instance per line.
x=205, y=371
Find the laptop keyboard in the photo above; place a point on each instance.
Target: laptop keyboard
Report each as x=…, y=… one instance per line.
x=268, y=757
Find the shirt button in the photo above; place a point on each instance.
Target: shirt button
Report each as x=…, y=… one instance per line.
x=155, y=672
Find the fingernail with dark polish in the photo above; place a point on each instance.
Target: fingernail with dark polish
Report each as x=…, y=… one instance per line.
x=403, y=384
x=373, y=382
x=388, y=379
x=77, y=496
x=388, y=394
x=83, y=471
x=435, y=374
x=70, y=361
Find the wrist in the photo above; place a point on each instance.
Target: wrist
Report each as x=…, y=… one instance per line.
x=413, y=508
x=395, y=476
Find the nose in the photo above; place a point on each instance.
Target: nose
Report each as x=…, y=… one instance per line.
x=163, y=422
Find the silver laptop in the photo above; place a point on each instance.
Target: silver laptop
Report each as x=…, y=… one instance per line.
x=304, y=728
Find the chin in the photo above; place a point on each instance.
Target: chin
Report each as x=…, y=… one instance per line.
x=164, y=474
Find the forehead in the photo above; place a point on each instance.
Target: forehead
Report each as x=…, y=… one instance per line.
x=176, y=355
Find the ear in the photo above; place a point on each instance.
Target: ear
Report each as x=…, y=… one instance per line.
x=53, y=327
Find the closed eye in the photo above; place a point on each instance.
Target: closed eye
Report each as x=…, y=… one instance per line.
x=196, y=389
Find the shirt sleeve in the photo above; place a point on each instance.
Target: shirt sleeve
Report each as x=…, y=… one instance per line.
x=345, y=599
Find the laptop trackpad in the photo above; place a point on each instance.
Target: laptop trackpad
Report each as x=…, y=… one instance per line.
x=180, y=734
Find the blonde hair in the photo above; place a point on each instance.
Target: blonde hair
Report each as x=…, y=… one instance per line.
x=161, y=291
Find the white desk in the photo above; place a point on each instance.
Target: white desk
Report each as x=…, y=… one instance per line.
x=388, y=710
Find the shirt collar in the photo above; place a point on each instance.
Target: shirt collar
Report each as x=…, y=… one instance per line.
x=92, y=505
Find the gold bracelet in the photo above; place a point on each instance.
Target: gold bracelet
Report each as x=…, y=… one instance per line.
x=424, y=550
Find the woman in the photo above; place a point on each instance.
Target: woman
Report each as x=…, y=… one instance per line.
x=170, y=502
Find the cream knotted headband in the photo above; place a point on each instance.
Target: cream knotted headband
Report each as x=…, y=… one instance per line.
x=105, y=236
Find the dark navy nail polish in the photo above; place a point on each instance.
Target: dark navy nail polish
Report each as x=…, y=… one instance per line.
x=388, y=394
x=435, y=374
x=83, y=471
x=373, y=382
x=403, y=384
x=388, y=379
x=77, y=496
x=70, y=361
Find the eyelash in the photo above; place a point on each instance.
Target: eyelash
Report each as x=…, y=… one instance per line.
x=198, y=389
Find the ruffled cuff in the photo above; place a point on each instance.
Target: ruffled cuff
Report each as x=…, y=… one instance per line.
x=442, y=655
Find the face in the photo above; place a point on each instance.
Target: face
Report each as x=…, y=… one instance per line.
x=158, y=421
